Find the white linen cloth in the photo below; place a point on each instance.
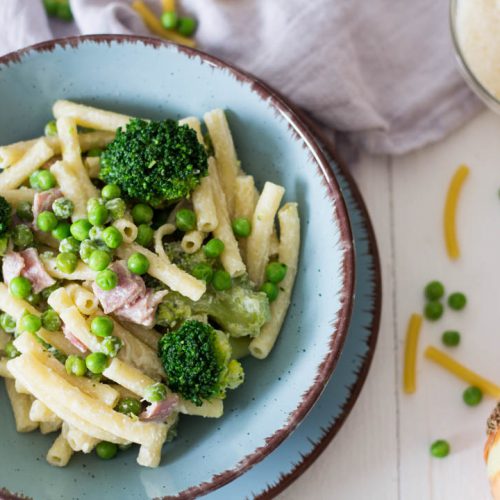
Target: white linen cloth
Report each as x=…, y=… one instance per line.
x=381, y=72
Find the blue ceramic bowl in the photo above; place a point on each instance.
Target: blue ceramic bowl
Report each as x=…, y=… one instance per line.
x=149, y=78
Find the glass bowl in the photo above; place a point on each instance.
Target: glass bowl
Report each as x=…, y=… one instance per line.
x=479, y=89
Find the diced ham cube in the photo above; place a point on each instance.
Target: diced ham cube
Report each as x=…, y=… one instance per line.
x=12, y=266
x=142, y=311
x=44, y=199
x=158, y=412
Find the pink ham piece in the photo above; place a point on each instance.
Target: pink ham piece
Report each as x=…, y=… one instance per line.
x=142, y=311
x=128, y=289
x=43, y=201
x=158, y=412
x=79, y=345
x=27, y=264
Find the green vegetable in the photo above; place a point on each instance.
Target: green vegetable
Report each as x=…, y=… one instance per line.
x=129, y=406
x=169, y=20
x=440, y=449
x=34, y=299
x=94, y=152
x=95, y=234
x=51, y=321
x=24, y=211
x=46, y=221
x=434, y=290
x=457, y=301
x=75, y=365
x=11, y=351
x=111, y=345
x=185, y=220
x=154, y=162
x=276, y=272
x=69, y=244
x=433, y=310
x=102, y=326
x=87, y=248
x=22, y=236
x=242, y=227
x=99, y=260
x=80, y=229
x=203, y=272
x=61, y=231
x=63, y=208
x=8, y=323
x=197, y=362
x=145, y=235
x=98, y=215
x=186, y=26
x=117, y=208
x=106, y=280
x=106, y=450
x=472, y=396
x=111, y=191
x=155, y=393
x=142, y=213
x=20, y=287
x=4, y=244
x=46, y=180
x=112, y=237
x=451, y=338
x=221, y=280
x=213, y=248
x=138, y=263
x=96, y=362
x=51, y=127
x=271, y=290
x=5, y=215
x=30, y=323
x=66, y=262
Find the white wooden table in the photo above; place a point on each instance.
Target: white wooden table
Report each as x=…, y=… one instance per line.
x=382, y=452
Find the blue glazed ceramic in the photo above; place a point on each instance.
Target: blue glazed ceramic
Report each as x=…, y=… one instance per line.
x=152, y=79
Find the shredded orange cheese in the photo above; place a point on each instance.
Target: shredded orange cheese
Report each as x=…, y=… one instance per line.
x=460, y=371
x=410, y=366
x=450, y=209
x=155, y=26
x=168, y=5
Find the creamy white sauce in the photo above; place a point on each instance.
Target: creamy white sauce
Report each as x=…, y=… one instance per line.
x=478, y=31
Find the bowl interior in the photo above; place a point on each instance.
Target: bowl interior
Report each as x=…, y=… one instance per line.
x=139, y=78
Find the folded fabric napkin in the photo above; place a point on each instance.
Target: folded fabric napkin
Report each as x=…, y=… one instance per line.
x=381, y=72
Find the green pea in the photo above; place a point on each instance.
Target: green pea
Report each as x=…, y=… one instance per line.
x=66, y=262
x=98, y=215
x=451, y=338
x=51, y=127
x=75, y=365
x=106, y=280
x=63, y=208
x=276, y=272
x=155, y=393
x=213, y=248
x=47, y=292
x=24, y=211
x=34, y=299
x=93, y=203
x=30, y=323
x=169, y=20
x=51, y=320
x=186, y=26
x=46, y=221
x=434, y=290
x=64, y=12
x=94, y=152
x=185, y=220
x=11, y=351
x=102, y=326
x=20, y=287
x=111, y=191
x=33, y=180
x=4, y=244
x=87, y=247
x=472, y=396
x=61, y=231
x=45, y=180
x=69, y=244
x=51, y=8
x=22, y=236
x=96, y=362
x=203, y=271
x=440, y=448
x=221, y=280
x=8, y=323
x=80, y=229
x=433, y=310
x=117, y=208
x=129, y=406
x=145, y=235
x=112, y=237
x=242, y=227
x=457, y=301
x=138, y=263
x=99, y=260
x=111, y=345
x=106, y=450
x=271, y=290
x=95, y=233
x=142, y=213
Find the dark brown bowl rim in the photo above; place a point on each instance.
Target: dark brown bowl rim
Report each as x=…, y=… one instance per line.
x=301, y=131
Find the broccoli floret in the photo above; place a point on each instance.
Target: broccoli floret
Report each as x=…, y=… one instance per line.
x=197, y=362
x=186, y=261
x=154, y=162
x=5, y=215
